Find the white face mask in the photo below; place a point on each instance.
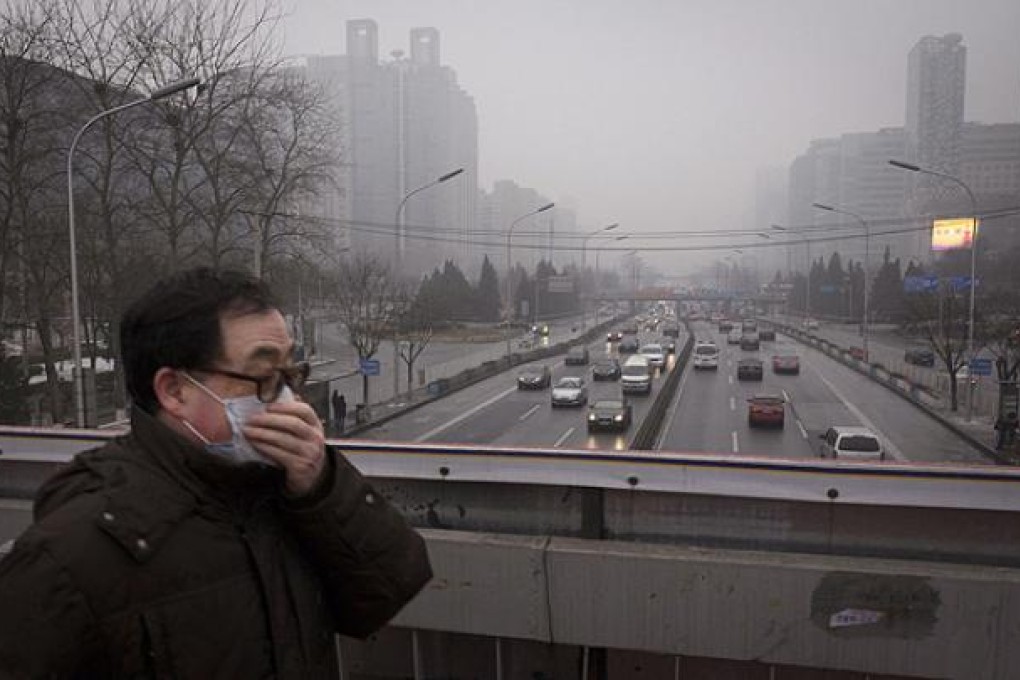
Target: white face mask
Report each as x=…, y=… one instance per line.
x=238, y=410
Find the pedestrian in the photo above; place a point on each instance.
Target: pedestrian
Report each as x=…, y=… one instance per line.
x=1005, y=429
x=219, y=537
x=341, y=412
x=335, y=402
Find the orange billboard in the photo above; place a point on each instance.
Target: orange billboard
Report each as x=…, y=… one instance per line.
x=956, y=233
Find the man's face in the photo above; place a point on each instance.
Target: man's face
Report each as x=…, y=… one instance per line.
x=254, y=345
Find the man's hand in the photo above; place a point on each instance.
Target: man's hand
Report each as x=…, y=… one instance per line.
x=290, y=434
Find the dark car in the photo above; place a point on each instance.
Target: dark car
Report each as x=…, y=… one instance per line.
x=629, y=328
x=577, y=356
x=534, y=378
x=609, y=415
x=614, y=336
x=671, y=330
x=767, y=334
x=786, y=363
x=606, y=369
x=628, y=345
x=750, y=369
x=725, y=326
x=919, y=356
x=749, y=341
x=766, y=409
x=668, y=345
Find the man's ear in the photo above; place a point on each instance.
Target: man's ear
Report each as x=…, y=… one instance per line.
x=168, y=384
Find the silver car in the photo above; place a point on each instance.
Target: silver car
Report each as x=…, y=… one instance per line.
x=570, y=391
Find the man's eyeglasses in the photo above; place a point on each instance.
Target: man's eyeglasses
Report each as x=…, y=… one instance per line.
x=268, y=388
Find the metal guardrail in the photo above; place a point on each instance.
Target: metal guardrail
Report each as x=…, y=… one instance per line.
x=651, y=425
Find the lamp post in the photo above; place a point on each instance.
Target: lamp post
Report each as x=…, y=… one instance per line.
x=161, y=93
x=398, y=243
x=598, y=251
x=807, y=246
x=973, y=257
x=867, y=271
x=584, y=268
x=509, y=291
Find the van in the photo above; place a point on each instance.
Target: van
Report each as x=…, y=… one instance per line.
x=636, y=375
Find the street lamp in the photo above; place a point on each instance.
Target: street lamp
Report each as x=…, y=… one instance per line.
x=398, y=242
x=973, y=241
x=509, y=292
x=584, y=267
x=598, y=251
x=161, y=93
x=867, y=240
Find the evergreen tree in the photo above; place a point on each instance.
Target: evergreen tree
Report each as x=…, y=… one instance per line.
x=487, y=298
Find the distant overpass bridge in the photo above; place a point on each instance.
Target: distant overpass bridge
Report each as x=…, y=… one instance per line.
x=554, y=564
x=762, y=300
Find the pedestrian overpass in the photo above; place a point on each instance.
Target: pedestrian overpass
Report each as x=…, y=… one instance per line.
x=595, y=564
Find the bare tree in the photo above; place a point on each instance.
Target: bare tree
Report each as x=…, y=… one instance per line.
x=941, y=318
x=414, y=333
x=368, y=302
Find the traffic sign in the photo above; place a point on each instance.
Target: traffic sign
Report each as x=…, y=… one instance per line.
x=980, y=366
x=369, y=367
x=920, y=284
x=958, y=283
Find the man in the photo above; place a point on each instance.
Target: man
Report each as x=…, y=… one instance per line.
x=341, y=412
x=219, y=538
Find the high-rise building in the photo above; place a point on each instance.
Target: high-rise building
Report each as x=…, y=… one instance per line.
x=936, y=89
x=408, y=123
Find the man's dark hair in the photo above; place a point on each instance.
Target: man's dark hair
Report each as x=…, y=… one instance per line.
x=177, y=324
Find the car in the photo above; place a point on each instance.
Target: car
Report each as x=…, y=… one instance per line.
x=749, y=341
x=605, y=369
x=577, y=356
x=540, y=329
x=858, y=353
x=706, y=355
x=671, y=330
x=851, y=443
x=669, y=345
x=733, y=337
x=569, y=391
x=629, y=345
x=919, y=356
x=613, y=415
x=766, y=409
x=534, y=378
x=749, y=326
x=629, y=328
x=725, y=326
x=750, y=369
x=810, y=324
x=768, y=334
x=786, y=363
x=656, y=355
x=636, y=375
x=614, y=336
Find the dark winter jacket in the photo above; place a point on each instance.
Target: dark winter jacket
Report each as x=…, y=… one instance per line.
x=151, y=558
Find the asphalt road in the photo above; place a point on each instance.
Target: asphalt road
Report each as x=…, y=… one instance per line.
x=495, y=413
x=710, y=411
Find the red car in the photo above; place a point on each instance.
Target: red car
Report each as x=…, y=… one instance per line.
x=786, y=363
x=766, y=409
x=858, y=353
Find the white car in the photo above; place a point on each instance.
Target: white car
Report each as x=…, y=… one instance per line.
x=655, y=353
x=706, y=355
x=569, y=391
x=733, y=338
x=851, y=443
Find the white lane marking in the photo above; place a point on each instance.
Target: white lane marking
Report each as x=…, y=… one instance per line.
x=563, y=438
x=803, y=432
x=786, y=397
x=731, y=379
x=894, y=450
x=733, y=403
x=464, y=416
x=528, y=413
x=736, y=442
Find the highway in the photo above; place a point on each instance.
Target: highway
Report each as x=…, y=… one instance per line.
x=495, y=413
x=708, y=415
x=710, y=411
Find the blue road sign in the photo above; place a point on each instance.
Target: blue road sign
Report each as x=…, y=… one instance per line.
x=958, y=283
x=980, y=366
x=827, y=288
x=920, y=284
x=369, y=367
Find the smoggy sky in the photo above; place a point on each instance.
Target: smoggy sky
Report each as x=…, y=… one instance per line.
x=657, y=114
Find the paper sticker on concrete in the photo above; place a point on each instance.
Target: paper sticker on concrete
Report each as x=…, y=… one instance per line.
x=854, y=617
x=848, y=604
